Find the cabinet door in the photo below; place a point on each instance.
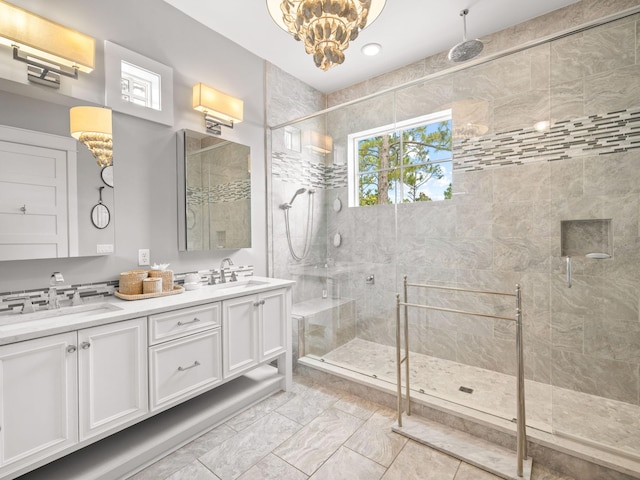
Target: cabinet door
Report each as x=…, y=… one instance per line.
x=272, y=314
x=240, y=334
x=112, y=362
x=38, y=399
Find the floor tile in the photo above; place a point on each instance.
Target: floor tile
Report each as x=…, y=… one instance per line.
x=376, y=441
x=356, y=406
x=469, y=472
x=418, y=462
x=239, y=453
x=346, y=464
x=251, y=415
x=316, y=442
x=307, y=404
x=273, y=468
x=194, y=471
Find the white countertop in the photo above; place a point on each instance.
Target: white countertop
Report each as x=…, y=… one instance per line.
x=18, y=327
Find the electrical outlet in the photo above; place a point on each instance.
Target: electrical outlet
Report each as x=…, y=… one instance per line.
x=143, y=257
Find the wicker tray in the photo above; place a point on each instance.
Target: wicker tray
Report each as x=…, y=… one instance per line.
x=142, y=296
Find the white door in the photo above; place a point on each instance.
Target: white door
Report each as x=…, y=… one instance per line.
x=112, y=366
x=273, y=314
x=239, y=334
x=38, y=399
x=33, y=202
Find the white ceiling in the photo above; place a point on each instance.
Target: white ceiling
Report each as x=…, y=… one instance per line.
x=408, y=30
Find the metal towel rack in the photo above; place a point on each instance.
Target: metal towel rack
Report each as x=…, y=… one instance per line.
x=521, y=434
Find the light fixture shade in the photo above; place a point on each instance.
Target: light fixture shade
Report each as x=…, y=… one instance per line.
x=217, y=104
x=325, y=27
x=93, y=127
x=45, y=39
x=317, y=142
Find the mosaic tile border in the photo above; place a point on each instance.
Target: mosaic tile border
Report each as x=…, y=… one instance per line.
x=609, y=133
x=226, y=192
x=94, y=291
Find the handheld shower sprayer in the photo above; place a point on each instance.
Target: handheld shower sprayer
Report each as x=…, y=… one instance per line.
x=287, y=205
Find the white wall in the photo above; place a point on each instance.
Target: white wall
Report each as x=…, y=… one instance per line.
x=144, y=152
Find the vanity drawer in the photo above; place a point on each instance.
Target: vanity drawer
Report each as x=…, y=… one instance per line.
x=184, y=367
x=186, y=321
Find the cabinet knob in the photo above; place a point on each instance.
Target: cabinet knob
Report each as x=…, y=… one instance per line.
x=85, y=345
x=71, y=348
x=195, y=319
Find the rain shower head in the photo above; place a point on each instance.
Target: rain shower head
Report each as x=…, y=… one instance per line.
x=467, y=49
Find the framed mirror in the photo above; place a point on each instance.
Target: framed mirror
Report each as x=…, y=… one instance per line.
x=214, y=192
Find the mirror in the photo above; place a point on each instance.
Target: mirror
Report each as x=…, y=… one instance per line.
x=48, y=185
x=100, y=215
x=214, y=193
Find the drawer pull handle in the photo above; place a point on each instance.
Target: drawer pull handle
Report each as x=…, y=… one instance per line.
x=71, y=348
x=257, y=304
x=195, y=364
x=195, y=319
x=85, y=345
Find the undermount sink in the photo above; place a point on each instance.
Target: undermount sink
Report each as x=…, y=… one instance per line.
x=74, y=312
x=240, y=284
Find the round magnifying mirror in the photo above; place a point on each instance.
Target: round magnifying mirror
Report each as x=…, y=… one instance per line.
x=100, y=216
x=107, y=175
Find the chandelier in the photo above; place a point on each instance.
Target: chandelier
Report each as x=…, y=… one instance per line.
x=325, y=26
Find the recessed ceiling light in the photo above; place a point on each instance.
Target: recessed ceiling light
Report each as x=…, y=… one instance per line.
x=371, y=49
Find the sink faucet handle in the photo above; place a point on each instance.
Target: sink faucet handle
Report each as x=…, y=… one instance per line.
x=56, y=278
x=27, y=306
x=234, y=277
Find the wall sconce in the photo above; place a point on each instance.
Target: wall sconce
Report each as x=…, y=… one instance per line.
x=49, y=49
x=317, y=142
x=218, y=108
x=92, y=126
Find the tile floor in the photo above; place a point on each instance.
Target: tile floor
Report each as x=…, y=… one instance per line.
x=311, y=432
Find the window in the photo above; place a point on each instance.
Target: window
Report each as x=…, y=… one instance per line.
x=402, y=163
x=140, y=86
x=137, y=85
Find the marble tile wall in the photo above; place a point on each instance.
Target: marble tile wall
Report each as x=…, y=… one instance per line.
x=513, y=186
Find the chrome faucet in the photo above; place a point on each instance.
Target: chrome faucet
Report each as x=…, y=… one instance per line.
x=228, y=260
x=56, y=279
x=27, y=306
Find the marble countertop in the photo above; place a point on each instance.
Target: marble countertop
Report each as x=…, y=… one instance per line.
x=19, y=327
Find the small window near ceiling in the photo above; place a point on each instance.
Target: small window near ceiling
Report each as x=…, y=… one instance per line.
x=407, y=162
x=140, y=86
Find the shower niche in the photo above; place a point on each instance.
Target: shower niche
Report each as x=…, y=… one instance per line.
x=587, y=238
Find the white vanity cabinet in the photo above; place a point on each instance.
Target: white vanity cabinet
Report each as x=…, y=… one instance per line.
x=38, y=398
x=254, y=330
x=112, y=372
x=185, y=354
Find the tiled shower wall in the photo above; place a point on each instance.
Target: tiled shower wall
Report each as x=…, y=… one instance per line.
x=512, y=188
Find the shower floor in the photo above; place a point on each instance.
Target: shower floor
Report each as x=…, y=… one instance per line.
x=596, y=421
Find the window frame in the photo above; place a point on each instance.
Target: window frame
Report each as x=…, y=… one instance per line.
x=353, y=169
x=114, y=56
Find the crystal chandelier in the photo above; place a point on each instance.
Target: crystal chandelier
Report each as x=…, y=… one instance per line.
x=325, y=26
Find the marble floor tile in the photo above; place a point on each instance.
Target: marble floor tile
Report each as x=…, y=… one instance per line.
x=469, y=472
x=356, y=406
x=239, y=453
x=309, y=448
x=376, y=441
x=418, y=462
x=346, y=464
x=251, y=415
x=307, y=404
x=185, y=455
x=272, y=468
x=194, y=471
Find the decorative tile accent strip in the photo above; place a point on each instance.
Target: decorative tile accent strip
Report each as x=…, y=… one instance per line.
x=40, y=296
x=293, y=169
x=226, y=192
x=594, y=135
